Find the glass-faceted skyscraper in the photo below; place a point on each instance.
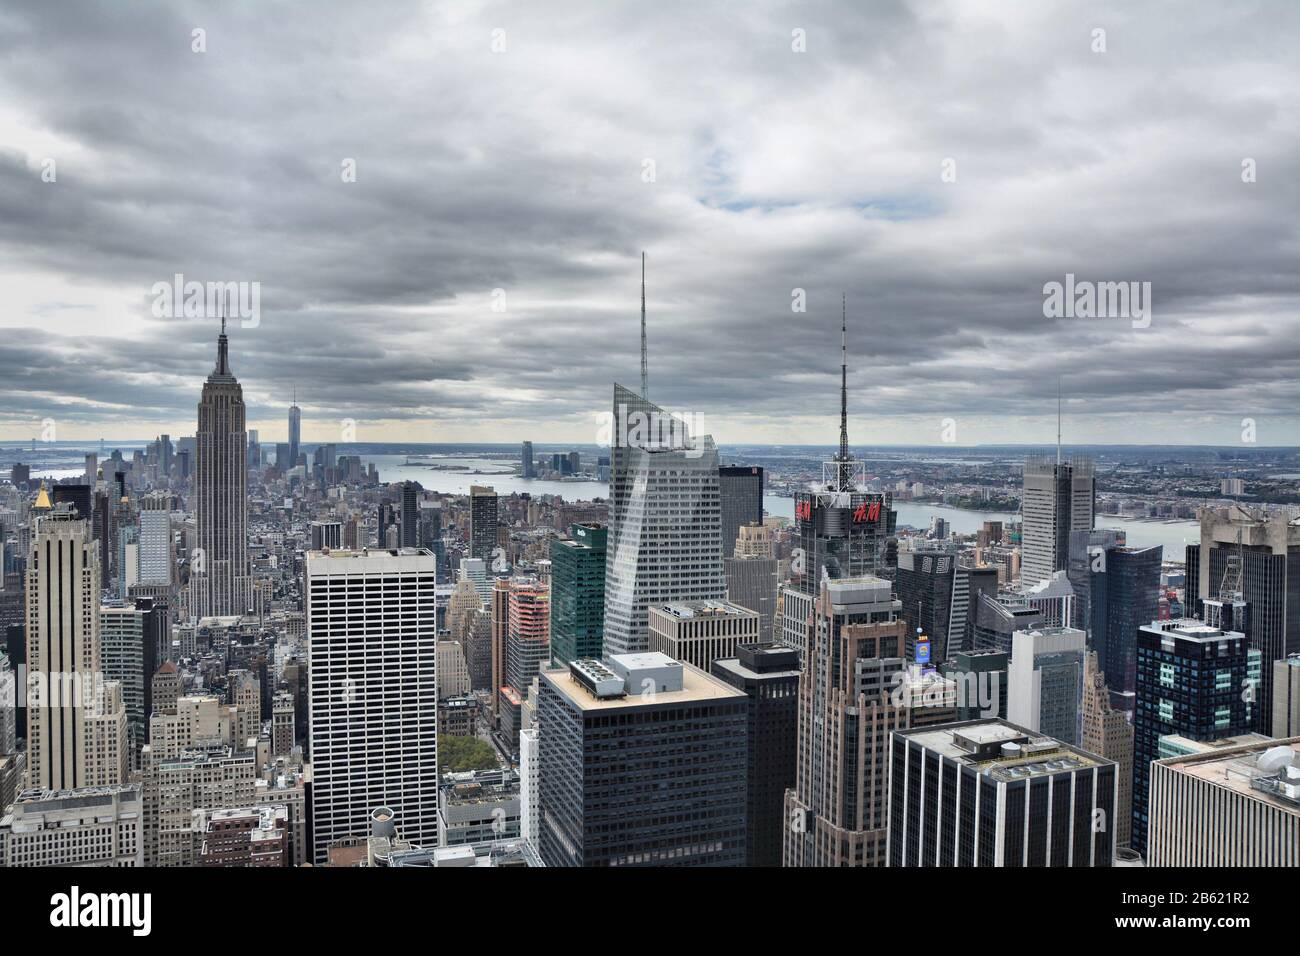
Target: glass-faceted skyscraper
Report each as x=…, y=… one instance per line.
x=665, y=534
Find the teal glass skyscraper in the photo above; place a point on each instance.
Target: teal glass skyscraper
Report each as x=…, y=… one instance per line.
x=578, y=594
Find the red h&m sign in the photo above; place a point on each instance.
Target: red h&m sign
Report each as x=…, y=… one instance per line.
x=866, y=512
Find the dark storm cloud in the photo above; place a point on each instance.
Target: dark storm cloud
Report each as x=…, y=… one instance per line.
x=774, y=171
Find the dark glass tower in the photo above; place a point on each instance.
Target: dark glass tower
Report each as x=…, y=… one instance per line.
x=1130, y=595
x=1251, y=558
x=630, y=778
x=741, y=493
x=578, y=594
x=769, y=676
x=925, y=587
x=410, y=526
x=483, y=523
x=1192, y=680
x=1119, y=591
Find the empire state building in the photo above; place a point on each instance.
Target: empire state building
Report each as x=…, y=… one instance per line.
x=219, y=582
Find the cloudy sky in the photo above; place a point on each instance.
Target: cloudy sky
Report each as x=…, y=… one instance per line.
x=479, y=279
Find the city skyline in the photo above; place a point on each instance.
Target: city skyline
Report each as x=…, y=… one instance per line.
x=378, y=297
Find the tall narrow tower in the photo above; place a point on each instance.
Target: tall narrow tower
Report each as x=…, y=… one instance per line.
x=665, y=518
x=295, y=432
x=219, y=581
x=645, y=373
x=843, y=471
x=76, y=721
x=844, y=530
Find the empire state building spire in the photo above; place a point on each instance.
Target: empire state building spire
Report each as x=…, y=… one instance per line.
x=222, y=371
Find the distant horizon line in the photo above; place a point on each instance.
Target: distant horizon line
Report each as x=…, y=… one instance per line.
x=19, y=445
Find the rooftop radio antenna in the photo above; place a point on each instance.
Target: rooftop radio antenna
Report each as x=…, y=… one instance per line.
x=645, y=374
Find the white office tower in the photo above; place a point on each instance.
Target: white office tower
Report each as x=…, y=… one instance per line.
x=1045, y=681
x=76, y=721
x=529, y=781
x=155, y=541
x=1059, y=497
x=372, y=634
x=665, y=534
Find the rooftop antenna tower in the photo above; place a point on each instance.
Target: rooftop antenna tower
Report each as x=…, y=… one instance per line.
x=843, y=468
x=645, y=373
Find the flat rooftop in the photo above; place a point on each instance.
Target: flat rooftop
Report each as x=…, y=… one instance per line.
x=1037, y=754
x=1190, y=629
x=735, y=666
x=687, y=610
x=1237, y=770
x=696, y=686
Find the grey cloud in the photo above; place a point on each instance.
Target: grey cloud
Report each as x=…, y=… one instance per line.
x=775, y=171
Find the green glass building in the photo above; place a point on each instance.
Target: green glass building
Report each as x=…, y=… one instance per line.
x=578, y=595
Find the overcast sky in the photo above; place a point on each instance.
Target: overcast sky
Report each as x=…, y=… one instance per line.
x=509, y=147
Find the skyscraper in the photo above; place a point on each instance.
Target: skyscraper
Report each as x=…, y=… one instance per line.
x=1229, y=806
x=926, y=584
x=527, y=461
x=527, y=640
x=80, y=499
x=326, y=535
x=700, y=632
x=1257, y=555
x=372, y=668
x=836, y=813
x=155, y=540
x=642, y=763
x=1107, y=733
x=295, y=435
x=578, y=594
x=665, y=534
x=483, y=523
x=410, y=518
x=741, y=492
x=1045, y=681
x=843, y=531
x=990, y=793
x=76, y=720
x=1117, y=590
x=129, y=638
x=769, y=676
x=1059, y=497
x=1286, y=696
x=499, y=604
x=1193, y=680
x=752, y=577
x=219, y=579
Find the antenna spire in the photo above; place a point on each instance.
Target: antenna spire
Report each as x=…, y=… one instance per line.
x=1058, y=419
x=223, y=353
x=842, y=472
x=645, y=374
